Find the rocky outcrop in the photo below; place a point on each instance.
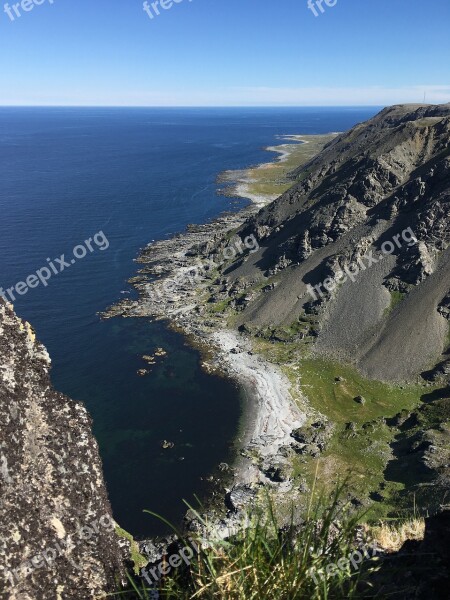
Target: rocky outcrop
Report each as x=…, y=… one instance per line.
x=420, y=458
x=57, y=536
x=313, y=439
x=444, y=307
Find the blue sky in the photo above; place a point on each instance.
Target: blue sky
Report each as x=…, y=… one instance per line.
x=225, y=53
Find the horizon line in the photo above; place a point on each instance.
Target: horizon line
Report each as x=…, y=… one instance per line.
x=212, y=105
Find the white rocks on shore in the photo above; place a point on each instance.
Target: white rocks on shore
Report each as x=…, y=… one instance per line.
x=272, y=414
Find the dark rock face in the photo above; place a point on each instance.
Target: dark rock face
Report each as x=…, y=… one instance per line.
x=57, y=533
x=440, y=373
x=239, y=497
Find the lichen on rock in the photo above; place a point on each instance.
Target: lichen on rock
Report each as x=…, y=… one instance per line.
x=57, y=532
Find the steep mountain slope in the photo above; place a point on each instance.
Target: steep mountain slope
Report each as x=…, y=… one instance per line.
x=369, y=185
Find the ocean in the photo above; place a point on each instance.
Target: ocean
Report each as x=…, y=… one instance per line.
x=135, y=175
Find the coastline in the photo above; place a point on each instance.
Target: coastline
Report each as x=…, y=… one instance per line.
x=265, y=182
x=270, y=413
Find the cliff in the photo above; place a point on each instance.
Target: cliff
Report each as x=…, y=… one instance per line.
x=57, y=535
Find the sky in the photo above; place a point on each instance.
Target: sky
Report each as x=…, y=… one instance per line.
x=224, y=53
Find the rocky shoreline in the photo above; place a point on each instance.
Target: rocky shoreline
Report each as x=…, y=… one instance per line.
x=173, y=283
x=270, y=414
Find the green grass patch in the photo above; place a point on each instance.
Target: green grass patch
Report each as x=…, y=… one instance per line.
x=273, y=179
x=360, y=446
x=138, y=559
x=336, y=399
x=287, y=333
x=275, y=352
x=219, y=307
x=396, y=298
x=361, y=443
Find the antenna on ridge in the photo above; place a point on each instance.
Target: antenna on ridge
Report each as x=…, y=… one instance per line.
x=424, y=97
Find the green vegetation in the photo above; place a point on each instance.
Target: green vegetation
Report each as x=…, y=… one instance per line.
x=418, y=473
x=298, y=331
x=336, y=399
x=396, y=298
x=272, y=179
x=360, y=446
x=219, y=307
x=138, y=559
x=273, y=560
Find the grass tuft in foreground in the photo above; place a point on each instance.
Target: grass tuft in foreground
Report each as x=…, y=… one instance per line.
x=391, y=537
x=271, y=561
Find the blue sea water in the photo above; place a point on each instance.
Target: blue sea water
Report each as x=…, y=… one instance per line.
x=137, y=175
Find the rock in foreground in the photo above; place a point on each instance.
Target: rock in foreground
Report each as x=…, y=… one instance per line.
x=57, y=533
